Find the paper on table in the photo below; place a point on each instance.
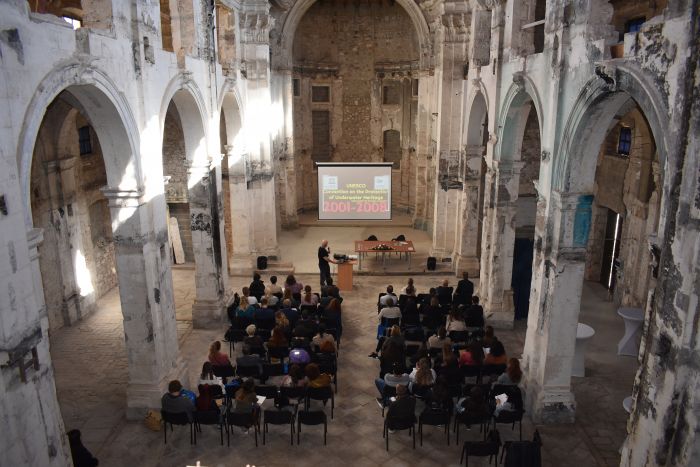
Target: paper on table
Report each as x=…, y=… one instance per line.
x=502, y=397
x=261, y=399
x=487, y=350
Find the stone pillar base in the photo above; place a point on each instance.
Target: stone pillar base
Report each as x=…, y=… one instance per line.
x=550, y=406
x=471, y=264
x=208, y=314
x=142, y=397
x=500, y=315
x=240, y=265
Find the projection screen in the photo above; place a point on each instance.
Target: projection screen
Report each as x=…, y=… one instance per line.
x=354, y=191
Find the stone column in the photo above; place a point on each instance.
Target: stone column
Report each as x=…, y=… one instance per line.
x=555, y=303
x=207, y=245
x=425, y=151
x=146, y=294
x=500, y=196
x=466, y=257
x=255, y=23
x=283, y=149
x=241, y=258
x=454, y=21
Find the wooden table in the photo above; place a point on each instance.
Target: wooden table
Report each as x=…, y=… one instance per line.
x=362, y=247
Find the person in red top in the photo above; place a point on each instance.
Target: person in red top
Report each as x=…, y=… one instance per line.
x=216, y=357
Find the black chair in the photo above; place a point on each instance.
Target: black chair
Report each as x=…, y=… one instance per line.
x=223, y=371
x=411, y=350
x=328, y=363
x=287, y=394
x=435, y=417
x=402, y=301
x=387, y=393
x=492, y=371
x=472, y=371
x=413, y=333
x=459, y=336
x=323, y=394
x=280, y=353
x=232, y=336
x=467, y=419
x=510, y=416
x=423, y=299
x=209, y=417
x=252, y=371
x=523, y=452
x=297, y=297
x=272, y=369
x=389, y=322
x=312, y=417
x=177, y=419
x=279, y=417
x=267, y=390
x=489, y=447
x=243, y=420
x=398, y=424
x=264, y=333
x=420, y=391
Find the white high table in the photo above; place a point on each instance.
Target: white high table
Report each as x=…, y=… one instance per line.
x=583, y=333
x=633, y=317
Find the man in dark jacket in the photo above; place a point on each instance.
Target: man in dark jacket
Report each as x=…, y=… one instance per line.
x=465, y=290
x=174, y=402
x=257, y=287
x=474, y=315
x=404, y=407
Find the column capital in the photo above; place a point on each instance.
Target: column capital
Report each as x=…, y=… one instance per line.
x=119, y=198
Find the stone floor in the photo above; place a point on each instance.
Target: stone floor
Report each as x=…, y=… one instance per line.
x=91, y=375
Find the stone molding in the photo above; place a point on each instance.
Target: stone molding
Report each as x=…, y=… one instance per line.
x=455, y=27
x=119, y=198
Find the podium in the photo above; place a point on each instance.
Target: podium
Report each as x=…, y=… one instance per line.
x=345, y=275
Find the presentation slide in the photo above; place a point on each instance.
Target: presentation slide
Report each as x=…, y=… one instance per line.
x=354, y=191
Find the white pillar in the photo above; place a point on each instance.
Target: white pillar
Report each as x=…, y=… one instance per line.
x=466, y=256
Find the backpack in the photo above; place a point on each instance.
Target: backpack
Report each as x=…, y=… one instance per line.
x=153, y=420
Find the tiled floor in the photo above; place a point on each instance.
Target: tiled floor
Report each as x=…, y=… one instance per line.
x=90, y=362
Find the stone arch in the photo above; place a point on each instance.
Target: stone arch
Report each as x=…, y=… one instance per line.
x=231, y=107
x=192, y=109
x=598, y=102
x=518, y=101
x=478, y=114
x=109, y=113
x=292, y=20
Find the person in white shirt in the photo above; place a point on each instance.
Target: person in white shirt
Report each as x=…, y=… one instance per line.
x=389, y=298
x=390, y=311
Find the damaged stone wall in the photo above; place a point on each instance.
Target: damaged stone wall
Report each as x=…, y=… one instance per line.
x=367, y=65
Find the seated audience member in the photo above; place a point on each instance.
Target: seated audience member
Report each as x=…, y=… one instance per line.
x=252, y=342
x=392, y=379
x=506, y=406
x=281, y=321
x=248, y=360
x=513, y=374
x=207, y=376
x=257, y=287
x=444, y=292
x=440, y=398
x=289, y=296
x=292, y=285
x=273, y=288
x=294, y=378
x=422, y=374
x=497, y=354
x=422, y=352
x=277, y=339
x=205, y=401
x=488, y=337
x=306, y=327
x=449, y=370
x=404, y=407
x=432, y=315
x=474, y=314
x=473, y=355
x=436, y=341
x=80, y=454
x=216, y=357
x=245, y=308
x=390, y=310
x=264, y=312
x=324, y=341
x=328, y=293
x=315, y=378
x=308, y=298
x=174, y=401
x=389, y=298
x=245, y=399
x=455, y=322
x=465, y=289
x=299, y=356
x=332, y=314
x=408, y=286
x=395, y=336
x=291, y=313
x=474, y=404
x=392, y=352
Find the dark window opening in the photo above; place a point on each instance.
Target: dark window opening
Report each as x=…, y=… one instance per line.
x=414, y=88
x=320, y=94
x=320, y=124
x=391, y=95
x=392, y=148
x=634, y=25
x=296, y=87
x=624, y=144
x=84, y=140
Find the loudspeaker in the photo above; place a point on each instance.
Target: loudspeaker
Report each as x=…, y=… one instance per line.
x=262, y=262
x=432, y=263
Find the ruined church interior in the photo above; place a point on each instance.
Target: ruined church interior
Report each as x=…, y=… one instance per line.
x=523, y=173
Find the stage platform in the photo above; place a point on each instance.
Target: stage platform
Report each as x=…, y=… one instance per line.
x=300, y=246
